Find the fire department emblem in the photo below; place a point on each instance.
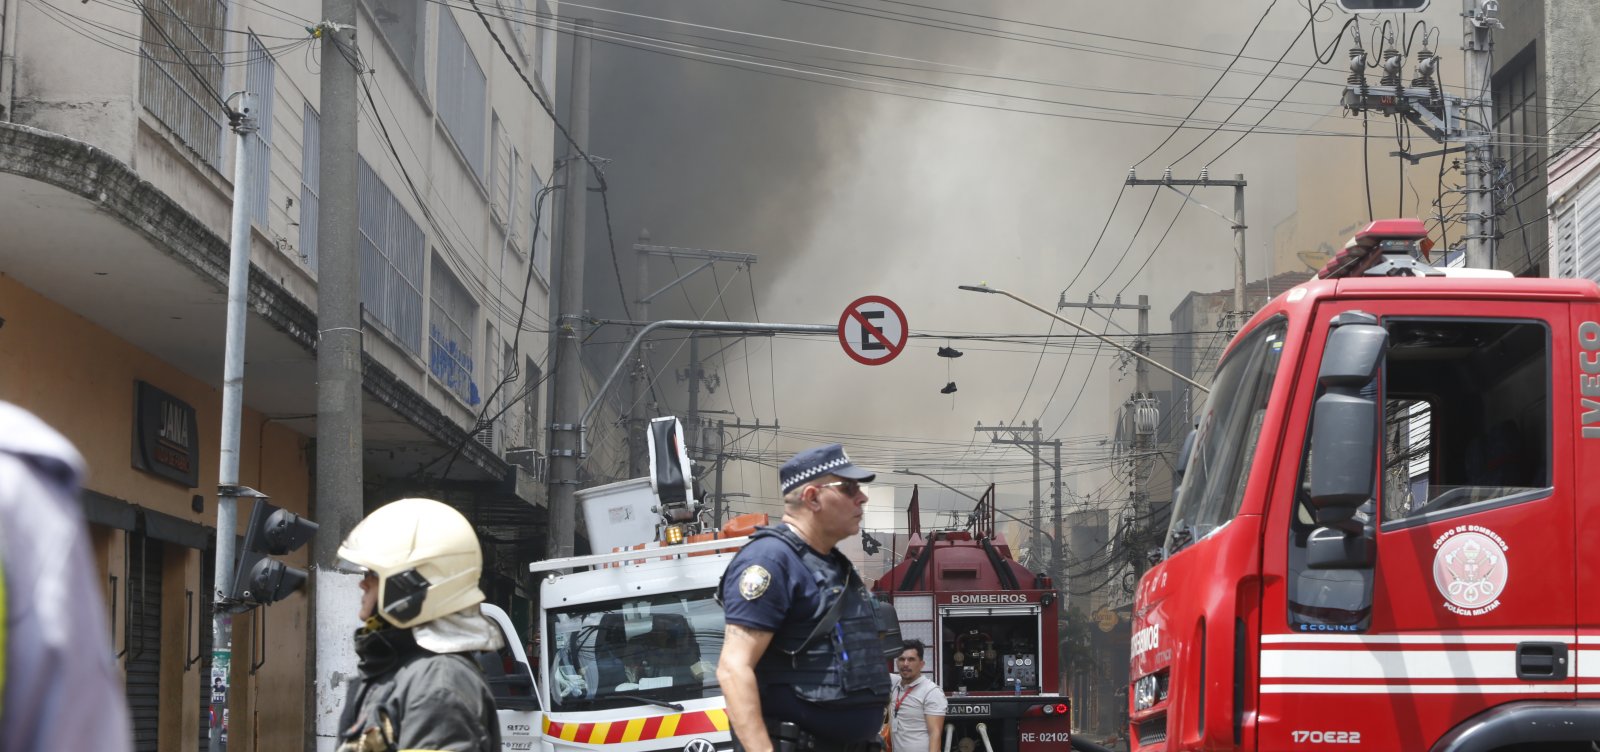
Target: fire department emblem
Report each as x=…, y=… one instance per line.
x=754, y=582
x=1470, y=568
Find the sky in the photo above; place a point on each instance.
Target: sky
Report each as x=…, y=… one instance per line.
x=895, y=149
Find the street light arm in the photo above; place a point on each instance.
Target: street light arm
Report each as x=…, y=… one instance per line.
x=940, y=482
x=1101, y=337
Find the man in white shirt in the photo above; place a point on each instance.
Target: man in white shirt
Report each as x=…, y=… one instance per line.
x=916, y=704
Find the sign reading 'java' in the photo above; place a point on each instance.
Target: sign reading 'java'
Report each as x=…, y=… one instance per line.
x=166, y=441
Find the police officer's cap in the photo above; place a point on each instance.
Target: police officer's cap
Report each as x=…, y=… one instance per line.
x=816, y=462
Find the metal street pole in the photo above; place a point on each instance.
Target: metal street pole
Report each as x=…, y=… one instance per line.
x=564, y=427
x=1239, y=278
x=243, y=123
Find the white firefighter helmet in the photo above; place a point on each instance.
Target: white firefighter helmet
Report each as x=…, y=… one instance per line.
x=426, y=557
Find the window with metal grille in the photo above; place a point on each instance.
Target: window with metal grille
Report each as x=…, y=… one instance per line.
x=1515, y=115
x=391, y=260
x=259, y=73
x=450, y=323
x=463, y=92
x=310, y=181
x=180, y=71
x=519, y=20
x=1519, y=170
x=403, y=24
x=505, y=199
x=544, y=54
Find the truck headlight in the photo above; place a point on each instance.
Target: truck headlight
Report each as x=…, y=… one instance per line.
x=1147, y=692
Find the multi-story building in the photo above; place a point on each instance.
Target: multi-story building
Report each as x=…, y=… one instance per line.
x=116, y=184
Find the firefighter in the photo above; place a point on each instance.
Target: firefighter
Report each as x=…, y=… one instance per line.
x=796, y=612
x=61, y=686
x=419, y=687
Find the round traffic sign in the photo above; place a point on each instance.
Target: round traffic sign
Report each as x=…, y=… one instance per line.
x=873, y=330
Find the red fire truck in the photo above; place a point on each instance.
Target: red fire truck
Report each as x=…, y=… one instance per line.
x=1380, y=539
x=991, y=630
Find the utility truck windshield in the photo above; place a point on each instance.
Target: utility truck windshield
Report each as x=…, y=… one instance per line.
x=655, y=649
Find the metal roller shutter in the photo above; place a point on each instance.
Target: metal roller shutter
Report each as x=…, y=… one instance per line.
x=143, y=639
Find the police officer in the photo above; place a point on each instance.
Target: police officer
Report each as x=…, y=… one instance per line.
x=59, y=685
x=801, y=666
x=418, y=687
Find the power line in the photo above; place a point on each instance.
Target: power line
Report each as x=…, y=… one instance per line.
x=1215, y=83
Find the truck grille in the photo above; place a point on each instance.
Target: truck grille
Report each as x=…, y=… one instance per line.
x=1153, y=730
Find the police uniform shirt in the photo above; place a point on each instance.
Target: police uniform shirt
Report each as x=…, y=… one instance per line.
x=766, y=587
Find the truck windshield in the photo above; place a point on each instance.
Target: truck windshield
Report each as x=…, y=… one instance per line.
x=660, y=647
x=1225, y=440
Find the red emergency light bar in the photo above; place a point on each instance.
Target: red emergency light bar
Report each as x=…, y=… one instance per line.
x=1368, y=247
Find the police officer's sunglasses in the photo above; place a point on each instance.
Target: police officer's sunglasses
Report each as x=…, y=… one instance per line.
x=847, y=487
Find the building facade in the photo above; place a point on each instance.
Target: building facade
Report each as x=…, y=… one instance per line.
x=116, y=173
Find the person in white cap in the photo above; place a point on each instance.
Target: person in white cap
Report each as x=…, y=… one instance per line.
x=419, y=687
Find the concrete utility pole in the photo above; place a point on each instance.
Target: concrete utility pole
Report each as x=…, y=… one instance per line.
x=1145, y=419
x=722, y=459
x=1032, y=444
x=1141, y=410
x=639, y=412
x=693, y=420
x=243, y=122
x=1038, y=500
x=1237, y=220
x=1478, y=115
x=338, y=501
x=568, y=392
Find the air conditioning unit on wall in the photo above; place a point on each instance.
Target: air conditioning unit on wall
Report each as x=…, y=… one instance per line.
x=487, y=433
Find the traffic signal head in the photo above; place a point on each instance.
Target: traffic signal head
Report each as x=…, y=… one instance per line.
x=272, y=532
x=1383, y=6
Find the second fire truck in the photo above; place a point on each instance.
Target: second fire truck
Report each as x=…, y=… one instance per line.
x=991, y=630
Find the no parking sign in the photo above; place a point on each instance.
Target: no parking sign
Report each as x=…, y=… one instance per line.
x=873, y=330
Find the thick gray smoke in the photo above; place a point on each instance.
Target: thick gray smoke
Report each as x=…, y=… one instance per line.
x=843, y=193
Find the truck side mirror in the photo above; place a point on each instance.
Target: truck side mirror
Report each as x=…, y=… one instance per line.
x=1333, y=548
x=1344, y=433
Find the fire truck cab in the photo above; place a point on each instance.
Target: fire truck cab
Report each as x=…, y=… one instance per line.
x=1379, y=541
